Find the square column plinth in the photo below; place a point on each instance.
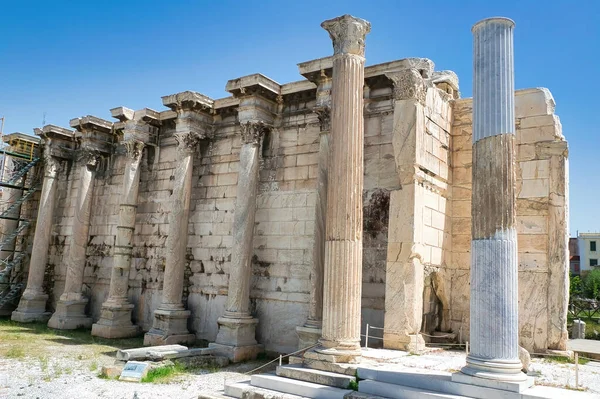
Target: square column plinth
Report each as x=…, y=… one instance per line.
x=170, y=327
x=70, y=315
x=115, y=322
x=32, y=308
x=236, y=339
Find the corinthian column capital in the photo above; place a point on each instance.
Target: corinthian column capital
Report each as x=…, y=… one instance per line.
x=187, y=141
x=408, y=84
x=348, y=34
x=254, y=131
x=133, y=148
x=324, y=115
x=51, y=165
x=88, y=157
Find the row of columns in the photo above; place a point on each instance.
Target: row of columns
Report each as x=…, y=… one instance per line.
x=336, y=270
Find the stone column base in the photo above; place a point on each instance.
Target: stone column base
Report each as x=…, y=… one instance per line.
x=32, y=308
x=237, y=354
x=169, y=327
x=237, y=339
x=517, y=385
x=70, y=315
x=413, y=343
x=334, y=355
x=307, y=336
x=115, y=322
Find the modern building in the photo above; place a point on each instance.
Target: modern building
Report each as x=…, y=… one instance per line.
x=574, y=261
x=589, y=251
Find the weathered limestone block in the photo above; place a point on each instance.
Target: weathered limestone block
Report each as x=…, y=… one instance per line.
x=532, y=102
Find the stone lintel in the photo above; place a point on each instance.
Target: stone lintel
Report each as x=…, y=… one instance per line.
x=254, y=109
x=226, y=102
x=424, y=65
x=89, y=122
x=446, y=77
x=188, y=100
x=256, y=84
x=148, y=116
x=296, y=87
x=122, y=113
x=316, y=69
x=58, y=141
x=167, y=115
x=94, y=133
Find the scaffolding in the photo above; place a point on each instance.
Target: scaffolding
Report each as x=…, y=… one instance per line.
x=19, y=155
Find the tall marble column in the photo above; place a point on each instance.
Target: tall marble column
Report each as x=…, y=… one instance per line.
x=32, y=306
x=115, y=316
x=70, y=309
x=311, y=331
x=494, y=333
x=192, y=126
x=343, y=246
x=236, y=337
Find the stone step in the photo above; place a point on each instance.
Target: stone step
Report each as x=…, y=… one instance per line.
x=394, y=391
x=298, y=372
x=296, y=387
x=430, y=380
x=295, y=360
x=439, y=337
x=247, y=391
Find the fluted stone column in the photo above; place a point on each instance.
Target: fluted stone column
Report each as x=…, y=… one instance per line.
x=340, y=340
x=311, y=331
x=171, y=317
x=115, y=316
x=70, y=309
x=32, y=306
x=494, y=333
x=237, y=328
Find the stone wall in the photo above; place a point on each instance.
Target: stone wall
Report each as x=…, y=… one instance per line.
x=542, y=203
x=416, y=209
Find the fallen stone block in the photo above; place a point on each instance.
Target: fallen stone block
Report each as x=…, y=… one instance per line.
x=142, y=353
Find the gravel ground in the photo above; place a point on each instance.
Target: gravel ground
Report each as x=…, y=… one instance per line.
x=42, y=364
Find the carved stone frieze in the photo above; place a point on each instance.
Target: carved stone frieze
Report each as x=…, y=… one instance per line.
x=408, y=84
x=254, y=131
x=348, y=34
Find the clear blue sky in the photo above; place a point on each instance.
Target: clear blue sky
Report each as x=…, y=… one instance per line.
x=67, y=59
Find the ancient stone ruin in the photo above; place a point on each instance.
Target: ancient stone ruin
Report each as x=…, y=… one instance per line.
x=290, y=213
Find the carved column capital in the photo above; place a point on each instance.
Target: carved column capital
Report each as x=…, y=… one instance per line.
x=408, y=84
x=188, y=141
x=348, y=34
x=253, y=131
x=324, y=115
x=51, y=165
x=88, y=157
x=133, y=148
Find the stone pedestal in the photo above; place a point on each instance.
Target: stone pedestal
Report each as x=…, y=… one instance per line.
x=70, y=309
x=494, y=333
x=237, y=328
x=340, y=340
x=32, y=306
x=70, y=315
x=115, y=316
x=170, y=327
